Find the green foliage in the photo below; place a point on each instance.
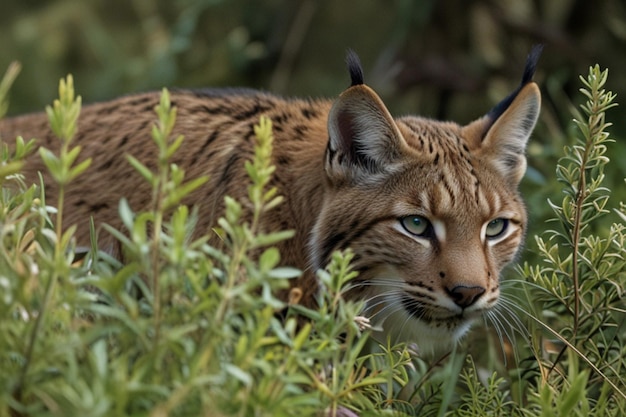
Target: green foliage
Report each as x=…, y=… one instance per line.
x=181, y=327
x=483, y=399
x=580, y=284
x=11, y=164
x=5, y=85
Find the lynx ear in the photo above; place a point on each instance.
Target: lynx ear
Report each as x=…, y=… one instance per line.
x=501, y=136
x=505, y=141
x=363, y=137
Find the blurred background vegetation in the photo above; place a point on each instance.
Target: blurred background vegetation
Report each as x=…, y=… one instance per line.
x=449, y=59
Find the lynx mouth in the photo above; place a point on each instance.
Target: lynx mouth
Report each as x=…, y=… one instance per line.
x=419, y=311
x=429, y=327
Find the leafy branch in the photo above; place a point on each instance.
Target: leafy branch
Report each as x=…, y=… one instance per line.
x=584, y=270
x=585, y=197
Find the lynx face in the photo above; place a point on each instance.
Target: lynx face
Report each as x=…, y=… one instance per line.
x=430, y=209
x=430, y=237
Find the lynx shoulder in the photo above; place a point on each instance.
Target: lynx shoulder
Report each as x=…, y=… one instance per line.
x=431, y=209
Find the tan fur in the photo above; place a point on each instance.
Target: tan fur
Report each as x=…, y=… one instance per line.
x=350, y=191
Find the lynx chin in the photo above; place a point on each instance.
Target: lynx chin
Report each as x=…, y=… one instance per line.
x=431, y=209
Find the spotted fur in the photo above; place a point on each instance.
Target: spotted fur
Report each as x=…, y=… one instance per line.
x=430, y=208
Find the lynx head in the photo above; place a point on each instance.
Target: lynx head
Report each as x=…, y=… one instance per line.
x=431, y=209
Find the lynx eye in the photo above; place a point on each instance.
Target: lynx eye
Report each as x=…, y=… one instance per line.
x=496, y=228
x=416, y=225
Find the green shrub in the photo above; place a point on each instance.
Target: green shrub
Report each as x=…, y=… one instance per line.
x=578, y=299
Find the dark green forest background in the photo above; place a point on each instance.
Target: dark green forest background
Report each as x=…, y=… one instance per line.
x=450, y=59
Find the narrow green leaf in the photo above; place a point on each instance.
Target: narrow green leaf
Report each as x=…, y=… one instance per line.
x=183, y=191
x=272, y=238
x=10, y=168
x=141, y=168
x=126, y=214
x=71, y=156
x=174, y=146
x=238, y=374
x=79, y=169
x=269, y=259
x=51, y=161
x=284, y=273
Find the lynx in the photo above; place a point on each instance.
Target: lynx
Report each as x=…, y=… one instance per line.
x=430, y=209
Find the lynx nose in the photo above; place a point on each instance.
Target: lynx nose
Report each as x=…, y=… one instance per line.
x=464, y=296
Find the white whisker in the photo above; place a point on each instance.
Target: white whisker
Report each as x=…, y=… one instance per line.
x=497, y=325
x=508, y=283
x=384, y=311
x=509, y=306
x=378, y=283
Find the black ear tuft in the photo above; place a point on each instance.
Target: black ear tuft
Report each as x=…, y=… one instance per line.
x=531, y=63
x=354, y=67
x=529, y=72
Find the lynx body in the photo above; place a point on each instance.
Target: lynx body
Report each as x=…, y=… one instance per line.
x=431, y=209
